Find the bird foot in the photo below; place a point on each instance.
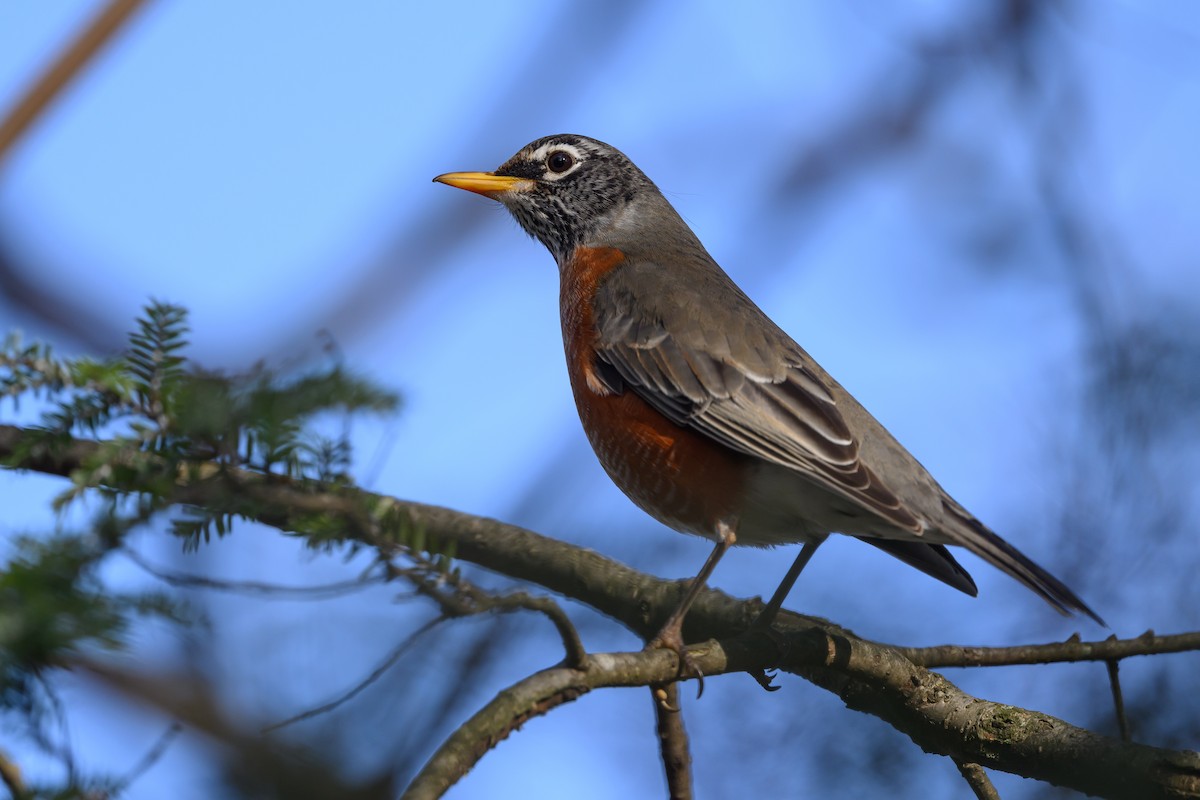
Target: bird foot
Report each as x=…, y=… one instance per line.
x=762, y=626
x=671, y=638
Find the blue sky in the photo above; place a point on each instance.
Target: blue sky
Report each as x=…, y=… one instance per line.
x=269, y=167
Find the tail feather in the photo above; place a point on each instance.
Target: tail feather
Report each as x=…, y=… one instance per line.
x=991, y=548
x=932, y=559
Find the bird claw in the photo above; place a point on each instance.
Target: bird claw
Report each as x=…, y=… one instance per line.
x=688, y=668
x=661, y=697
x=765, y=679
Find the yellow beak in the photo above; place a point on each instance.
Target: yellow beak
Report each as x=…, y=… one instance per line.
x=485, y=183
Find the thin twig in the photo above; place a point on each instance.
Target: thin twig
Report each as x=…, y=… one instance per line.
x=1114, y=681
x=152, y=755
x=1058, y=652
x=251, y=587
x=977, y=778
x=672, y=740
x=386, y=664
x=576, y=654
x=59, y=711
x=468, y=599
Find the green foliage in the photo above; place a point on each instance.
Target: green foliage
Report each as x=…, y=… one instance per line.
x=394, y=523
x=52, y=605
x=154, y=426
x=151, y=362
x=152, y=399
x=195, y=526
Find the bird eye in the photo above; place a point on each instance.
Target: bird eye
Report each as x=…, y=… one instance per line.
x=560, y=161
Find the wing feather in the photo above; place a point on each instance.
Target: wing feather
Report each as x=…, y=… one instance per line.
x=753, y=389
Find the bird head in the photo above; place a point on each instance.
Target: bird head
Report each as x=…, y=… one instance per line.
x=562, y=189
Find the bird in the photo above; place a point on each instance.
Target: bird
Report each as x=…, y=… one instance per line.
x=700, y=408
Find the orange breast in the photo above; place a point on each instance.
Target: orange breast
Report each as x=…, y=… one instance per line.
x=680, y=477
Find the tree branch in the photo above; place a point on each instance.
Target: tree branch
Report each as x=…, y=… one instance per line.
x=672, y=740
x=941, y=718
x=870, y=677
x=976, y=777
x=537, y=695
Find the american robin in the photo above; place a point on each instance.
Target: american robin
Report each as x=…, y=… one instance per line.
x=699, y=407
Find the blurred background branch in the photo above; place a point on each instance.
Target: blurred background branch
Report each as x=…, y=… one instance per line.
x=70, y=63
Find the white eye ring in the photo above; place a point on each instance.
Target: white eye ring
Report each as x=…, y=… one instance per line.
x=556, y=150
x=560, y=161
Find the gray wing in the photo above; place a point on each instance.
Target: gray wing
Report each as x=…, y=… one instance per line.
x=725, y=370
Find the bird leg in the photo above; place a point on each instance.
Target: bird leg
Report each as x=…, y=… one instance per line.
x=670, y=636
x=767, y=615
